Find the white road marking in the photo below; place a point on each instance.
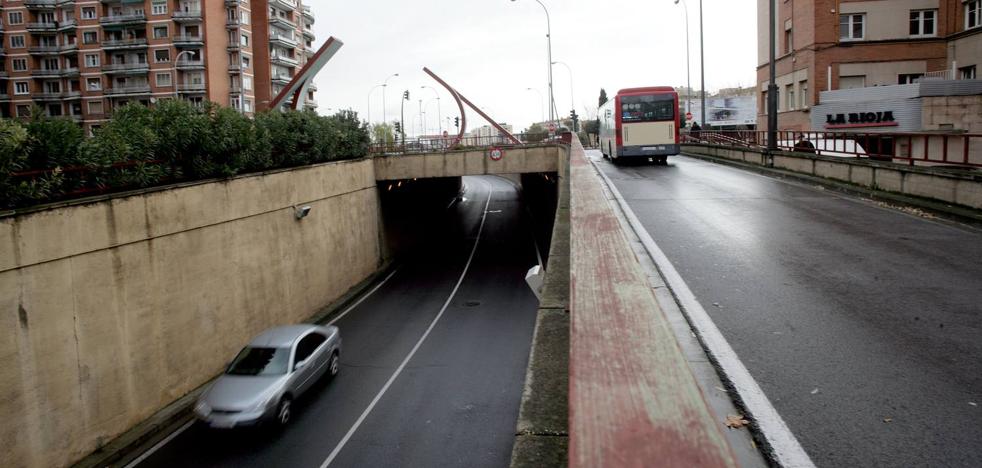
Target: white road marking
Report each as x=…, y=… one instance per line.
x=185, y=427
x=785, y=448
x=162, y=443
x=334, y=453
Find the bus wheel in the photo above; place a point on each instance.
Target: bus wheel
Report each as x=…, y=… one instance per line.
x=662, y=160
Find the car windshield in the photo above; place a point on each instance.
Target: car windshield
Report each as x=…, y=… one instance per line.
x=260, y=361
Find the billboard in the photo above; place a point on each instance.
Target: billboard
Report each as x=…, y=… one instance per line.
x=724, y=111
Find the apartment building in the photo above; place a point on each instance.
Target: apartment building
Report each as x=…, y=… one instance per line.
x=825, y=45
x=82, y=59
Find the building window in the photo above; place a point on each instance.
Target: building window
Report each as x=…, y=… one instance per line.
x=159, y=32
x=967, y=73
x=244, y=40
x=89, y=37
x=91, y=60
x=852, y=82
x=789, y=95
x=245, y=62
x=235, y=102
x=973, y=10
x=159, y=7
x=162, y=55
x=95, y=107
x=803, y=89
x=247, y=83
x=922, y=22
x=247, y=105
x=23, y=111
x=19, y=64
x=909, y=78
x=17, y=42
x=93, y=84
x=88, y=13
x=15, y=17
x=22, y=87
x=852, y=27
x=243, y=17
x=788, y=37
x=164, y=80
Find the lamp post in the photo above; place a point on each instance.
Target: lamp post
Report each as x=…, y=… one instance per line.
x=439, y=121
x=541, y=107
x=177, y=58
x=572, y=104
x=385, y=84
x=772, y=86
x=370, y=101
x=688, y=68
x=552, y=99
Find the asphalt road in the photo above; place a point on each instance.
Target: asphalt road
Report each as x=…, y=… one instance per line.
x=862, y=324
x=456, y=401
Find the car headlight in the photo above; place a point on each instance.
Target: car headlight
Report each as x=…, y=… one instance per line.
x=202, y=408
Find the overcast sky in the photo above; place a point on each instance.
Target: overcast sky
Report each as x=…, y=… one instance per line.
x=491, y=51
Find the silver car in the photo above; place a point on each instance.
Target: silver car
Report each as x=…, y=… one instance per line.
x=265, y=378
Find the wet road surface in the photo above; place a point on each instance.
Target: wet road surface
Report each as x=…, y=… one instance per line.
x=456, y=401
x=862, y=324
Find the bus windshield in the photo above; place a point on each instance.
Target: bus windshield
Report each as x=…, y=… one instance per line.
x=650, y=108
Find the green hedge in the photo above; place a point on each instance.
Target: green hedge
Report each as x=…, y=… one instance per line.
x=45, y=159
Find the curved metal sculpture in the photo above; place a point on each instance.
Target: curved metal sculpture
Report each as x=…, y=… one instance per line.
x=299, y=84
x=461, y=100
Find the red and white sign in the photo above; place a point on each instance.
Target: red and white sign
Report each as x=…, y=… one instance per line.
x=496, y=154
x=688, y=116
x=445, y=134
x=552, y=127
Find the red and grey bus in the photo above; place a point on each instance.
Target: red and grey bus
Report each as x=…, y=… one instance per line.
x=640, y=124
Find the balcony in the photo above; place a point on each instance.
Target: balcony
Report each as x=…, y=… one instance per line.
x=128, y=90
x=233, y=46
x=282, y=79
x=42, y=27
x=235, y=89
x=126, y=68
x=67, y=25
x=308, y=34
x=46, y=73
x=188, y=41
x=282, y=40
x=235, y=3
x=235, y=67
x=232, y=23
x=69, y=48
x=45, y=50
x=4, y=97
x=46, y=4
x=4, y=74
x=191, y=88
x=190, y=64
x=50, y=96
x=72, y=95
x=117, y=44
x=123, y=20
x=72, y=72
x=282, y=22
x=289, y=5
x=284, y=61
x=308, y=16
x=188, y=16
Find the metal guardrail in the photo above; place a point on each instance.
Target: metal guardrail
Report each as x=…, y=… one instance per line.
x=952, y=149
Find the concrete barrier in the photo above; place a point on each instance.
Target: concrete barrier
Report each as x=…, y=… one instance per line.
x=517, y=160
x=113, y=308
x=941, y=184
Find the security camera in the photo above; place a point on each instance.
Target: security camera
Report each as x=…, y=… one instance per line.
x=302, y=212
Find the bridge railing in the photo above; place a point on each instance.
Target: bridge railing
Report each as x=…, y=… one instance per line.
x=437, y=143
x=922, y=148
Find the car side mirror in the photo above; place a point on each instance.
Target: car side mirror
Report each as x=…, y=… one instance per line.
x=299, y=365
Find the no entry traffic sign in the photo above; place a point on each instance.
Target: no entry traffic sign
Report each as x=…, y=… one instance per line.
x=552, y=127
x=496, y=154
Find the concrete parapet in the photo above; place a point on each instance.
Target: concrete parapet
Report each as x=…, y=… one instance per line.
x=515, y=160
x=947, y=185
x=114, y=307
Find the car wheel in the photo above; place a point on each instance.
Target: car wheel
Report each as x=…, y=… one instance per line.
x=284, y=411
x=334, y=366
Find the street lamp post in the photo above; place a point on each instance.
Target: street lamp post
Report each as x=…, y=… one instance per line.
x=439, y=121
x=772, y=86
x=688, y=68
x=552, y=99
x=542, y=116
x=385, y=84
x=702, y=67
x=370, y=101
x=572, y=104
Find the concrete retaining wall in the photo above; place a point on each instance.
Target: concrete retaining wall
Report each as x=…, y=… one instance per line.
x=111, y=309
x=940, y=184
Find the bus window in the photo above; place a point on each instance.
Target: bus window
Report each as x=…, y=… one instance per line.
x=649, y=108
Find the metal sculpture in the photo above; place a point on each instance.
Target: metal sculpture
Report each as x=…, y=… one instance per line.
x=301, y=81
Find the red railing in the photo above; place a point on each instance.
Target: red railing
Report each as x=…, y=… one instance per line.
x=432, y=144
x=955, y=149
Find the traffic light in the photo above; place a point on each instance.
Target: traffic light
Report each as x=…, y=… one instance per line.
x=398, y=127
x=456, y=122
x=572, y=115
x=405, y=95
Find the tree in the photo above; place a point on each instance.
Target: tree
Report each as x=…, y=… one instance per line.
x=535, y=133
x=383, y=134
x=52, y=142
x=603, y=98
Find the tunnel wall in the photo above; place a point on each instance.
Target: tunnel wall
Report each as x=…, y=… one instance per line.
x=113, y=308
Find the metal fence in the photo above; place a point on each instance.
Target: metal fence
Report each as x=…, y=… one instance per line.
x=921, y=148
x=435, y=144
